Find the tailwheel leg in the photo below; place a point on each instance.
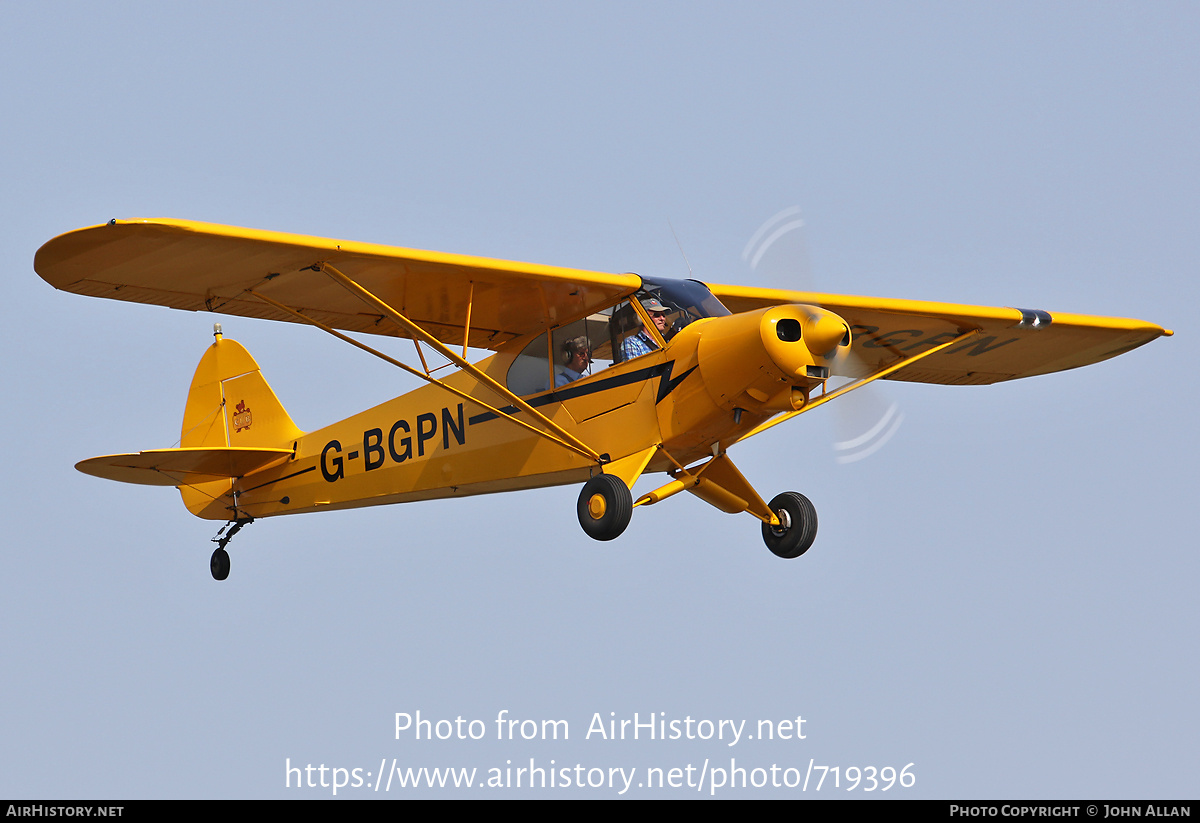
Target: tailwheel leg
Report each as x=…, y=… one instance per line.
x=797, y=527
x=605, y=506
x=219, y=564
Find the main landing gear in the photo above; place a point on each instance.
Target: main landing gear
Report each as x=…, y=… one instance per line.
x=605, y=506
x=219, y=564
x=797, y=525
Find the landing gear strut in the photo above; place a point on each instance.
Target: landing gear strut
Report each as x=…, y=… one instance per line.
x=219, y=564
x=797, y=528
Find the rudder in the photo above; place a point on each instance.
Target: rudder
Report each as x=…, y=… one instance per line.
x=230, y=403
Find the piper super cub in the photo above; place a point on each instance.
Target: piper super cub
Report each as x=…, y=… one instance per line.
x=594, y=378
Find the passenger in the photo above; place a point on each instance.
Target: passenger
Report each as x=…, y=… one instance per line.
x=642, y=343
x=577, y=356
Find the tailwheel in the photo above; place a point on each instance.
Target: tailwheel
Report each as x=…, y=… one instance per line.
x=797, y=528
x=605, y=507
x=219, y=564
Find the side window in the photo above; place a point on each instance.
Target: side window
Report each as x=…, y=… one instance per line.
x=530, y=371
x=581, y=349
x=574, y=351
x=624, y=323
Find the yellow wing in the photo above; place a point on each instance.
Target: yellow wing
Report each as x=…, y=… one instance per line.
x=208, y=267
x=1011, y=343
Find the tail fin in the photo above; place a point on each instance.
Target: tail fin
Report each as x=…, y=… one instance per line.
x=230, y=404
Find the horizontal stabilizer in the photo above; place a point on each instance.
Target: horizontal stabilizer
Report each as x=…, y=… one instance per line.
x=182, y=467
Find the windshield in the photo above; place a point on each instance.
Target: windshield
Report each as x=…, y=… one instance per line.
x=685, y=300
x=671, y=304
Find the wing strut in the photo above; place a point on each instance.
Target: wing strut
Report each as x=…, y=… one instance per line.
x=569, y=442
x=423, y=375
x=857, y=384
x=435, y=344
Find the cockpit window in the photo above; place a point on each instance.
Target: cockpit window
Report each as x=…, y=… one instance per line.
x=530, y=371
x=685, y=300
x=584, y=347
x=575, y=351
x=682, y=302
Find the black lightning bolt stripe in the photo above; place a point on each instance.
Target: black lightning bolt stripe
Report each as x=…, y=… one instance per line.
x=666, y=385
x=662, y=371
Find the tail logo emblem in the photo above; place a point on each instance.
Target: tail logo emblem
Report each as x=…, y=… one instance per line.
x=242, y=417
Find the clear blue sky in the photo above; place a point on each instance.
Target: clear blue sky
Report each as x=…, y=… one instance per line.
x=1003, y=596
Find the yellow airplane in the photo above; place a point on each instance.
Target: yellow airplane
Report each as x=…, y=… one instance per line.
x=594, y=378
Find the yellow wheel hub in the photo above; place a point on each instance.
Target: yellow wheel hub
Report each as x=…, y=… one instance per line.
x=597, y=506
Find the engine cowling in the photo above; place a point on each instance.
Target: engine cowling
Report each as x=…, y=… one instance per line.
x=769, y=360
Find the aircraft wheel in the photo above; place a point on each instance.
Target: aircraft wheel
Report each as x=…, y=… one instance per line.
x=219, y=564
x=605, y=507
x=799, y=528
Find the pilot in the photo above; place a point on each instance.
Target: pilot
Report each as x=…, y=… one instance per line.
x=577, y=356
x=642, y=343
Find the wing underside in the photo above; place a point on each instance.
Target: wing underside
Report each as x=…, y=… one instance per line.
x=207, y=267
x=1011, y=343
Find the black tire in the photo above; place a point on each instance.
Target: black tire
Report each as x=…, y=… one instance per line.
x=219, y=565
x=800, y=525
x=605, y=507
